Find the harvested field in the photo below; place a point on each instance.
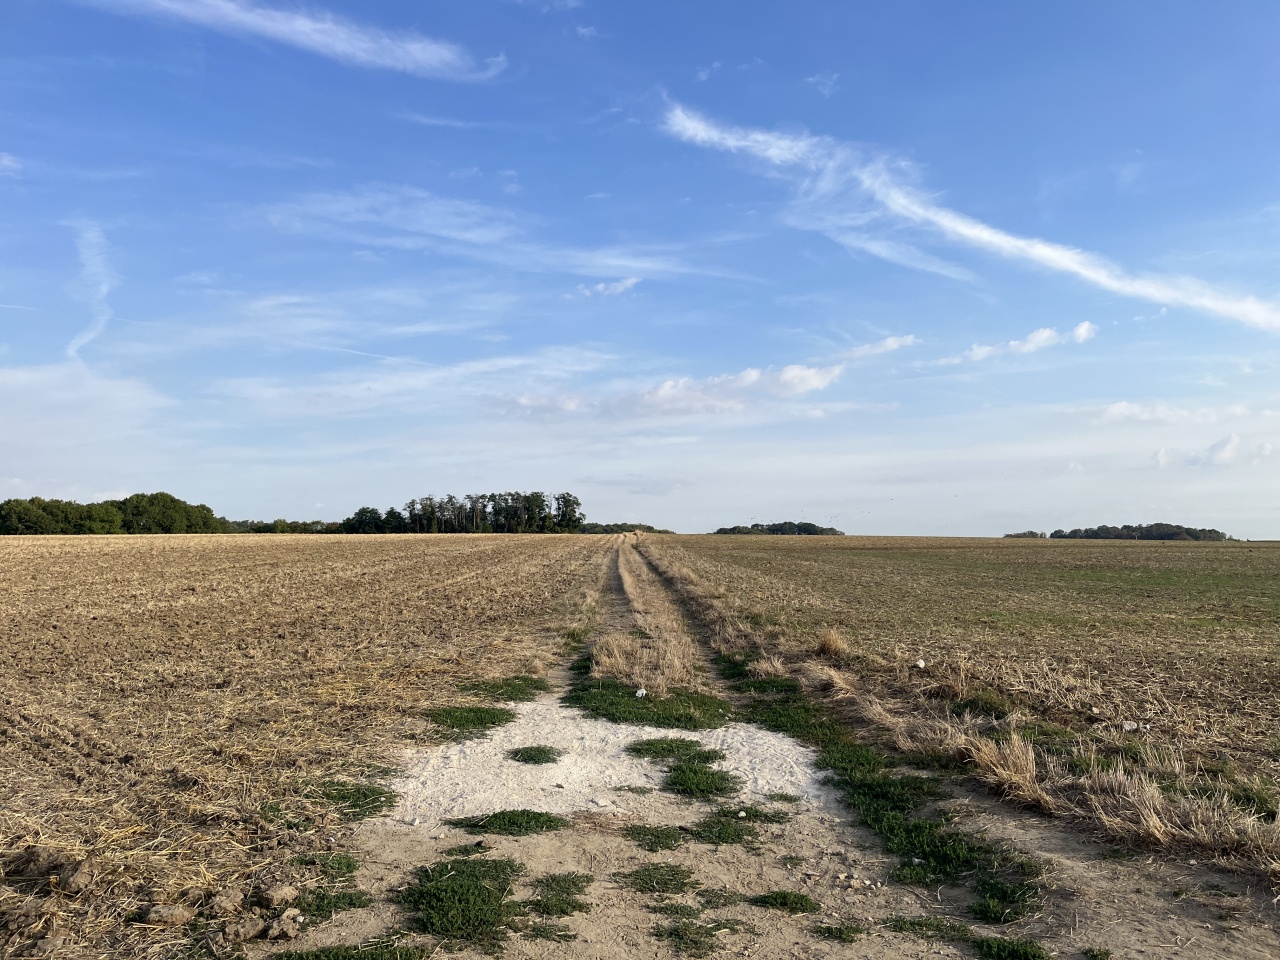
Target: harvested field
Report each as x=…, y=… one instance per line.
x=184, y=714
x=1133, y=684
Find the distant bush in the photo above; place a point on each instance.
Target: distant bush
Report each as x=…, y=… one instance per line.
x=1141, y=531
x=1025, y=535
x=787, y=529
x=621, y=528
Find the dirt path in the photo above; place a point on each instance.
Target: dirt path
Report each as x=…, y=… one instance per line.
x=1133, y=907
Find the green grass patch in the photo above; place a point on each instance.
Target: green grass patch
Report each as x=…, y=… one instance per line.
x=464, y=900
x=659, y=878
x=555, y=932
x=355, y=801
x=839, y=933
x=673, y=908
x=986, y=702
x=735, y=825
x=535, y=754
x=334, y=866
x=519, y=689
x=992, y=948
x=639, y=791
x=655, y=839
x=788, y=901
x=559, y=894
x=700, y=782
x=1096, y=953
x=618, y=703
x=783, y=797
x=768, y=685
x=674, y=749
x=467, y=849
x=325, y=903
x=693, y=939
x=464, y=722
x=718, y=899
x=733, y=666
x=510, y=823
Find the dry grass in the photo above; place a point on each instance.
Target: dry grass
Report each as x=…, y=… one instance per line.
x=658, y=654
x=1036, y=656
x=170, y=707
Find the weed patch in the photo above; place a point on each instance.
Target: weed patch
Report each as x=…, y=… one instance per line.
x=659, y=878
x=655, y=839
x=510, y=823
x=559, y=894
x=986, y=702
x=717, y=899
x=783, y=797
x=466, y=849
x=465, y=722
x=992, y=948
x=464, y=900
x=334, y=866
x=842, y=933
x=618, y=703
x=519, y=689
x=768, y=685
x=787, y=901
x=555, y=932
x=674, y=749
x=355, y=801
x=325, y=903
x=696, y=939
x=535, y=754
x=734, y=825
x=700, y=782
x=1096, y=953
x=672, y=908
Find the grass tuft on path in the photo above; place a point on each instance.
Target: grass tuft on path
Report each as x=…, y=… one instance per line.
x=659, y=878
x=655, y=839
x=559, y=894
x=694, y=939
x=510, y=823
x=464, y=900
x=991, y=948
x=618, y=703
x=466, y=722
x=839, y=933
x=355, y=801
x=787, y=901
x=674, y=749
x=700, y=782
x=535, y=754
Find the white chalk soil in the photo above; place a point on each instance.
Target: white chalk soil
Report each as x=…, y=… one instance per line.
x=1134, y=908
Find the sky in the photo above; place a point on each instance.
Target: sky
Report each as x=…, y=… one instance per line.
x=920, y=268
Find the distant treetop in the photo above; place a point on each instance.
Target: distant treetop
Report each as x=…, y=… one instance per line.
x=1140, y=531
x=787, y=529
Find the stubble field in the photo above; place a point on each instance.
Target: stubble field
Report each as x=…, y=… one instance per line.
x=187, y=713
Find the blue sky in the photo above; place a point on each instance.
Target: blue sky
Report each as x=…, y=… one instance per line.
x=910, y=268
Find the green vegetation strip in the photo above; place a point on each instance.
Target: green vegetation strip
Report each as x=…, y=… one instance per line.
x=337, y=869
x=659, y=878
x=689, y=770
x=992, y=948
x=464, y=900
x=841, y=933
x=559, y=894
x=787, y=901
x=618, y=703
x=355, y=801
x=510, y=823
x=888, y=804
x=694, y=939
x=655, y=839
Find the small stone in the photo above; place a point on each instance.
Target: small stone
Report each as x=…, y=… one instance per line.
x=919, y=664
x=641, y=692
x=170, y=914
x=416, y=822
x=243, y=930
x=1128, y=726
x=279, y=895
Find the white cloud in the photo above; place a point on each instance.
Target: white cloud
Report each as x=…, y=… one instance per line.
x=605, y=289
x=838, y=187
x=1037, y=340
x=1084, y=331
x=1164, y=413
x=797, y=379
x=586, y=33
x=1224, y=451
x=824, y=83
x=979, y=352
x=96, y=280
x=322, y=33
x=886, y=345
x=10, y=166
x=704, y=73
x=731, y=392
x=1261, y=452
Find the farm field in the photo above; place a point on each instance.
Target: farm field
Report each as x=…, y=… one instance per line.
x=186, y=711
x=189, y=725
x=1153, y=658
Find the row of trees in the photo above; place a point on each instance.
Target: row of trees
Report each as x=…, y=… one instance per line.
x=1139, y=531
x=786, y=529
x=140, y=513
x=512, y=512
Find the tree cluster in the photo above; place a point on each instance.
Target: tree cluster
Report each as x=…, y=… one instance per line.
x=786, y=529
x=1140, y=531
x=514, y=512
x=1027, y=535
x=140, y=513
x=621, y=528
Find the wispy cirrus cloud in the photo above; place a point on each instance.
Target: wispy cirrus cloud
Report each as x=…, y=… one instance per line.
x=408, y=218
x=1035, y=341
x=887, y=345
x=10, y=166
x=322, y=33
x=843, y=191
x=96, y=280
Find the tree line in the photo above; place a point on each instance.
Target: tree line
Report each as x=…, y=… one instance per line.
x=1138, y=531
x=785, y=529
x=512, y=512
